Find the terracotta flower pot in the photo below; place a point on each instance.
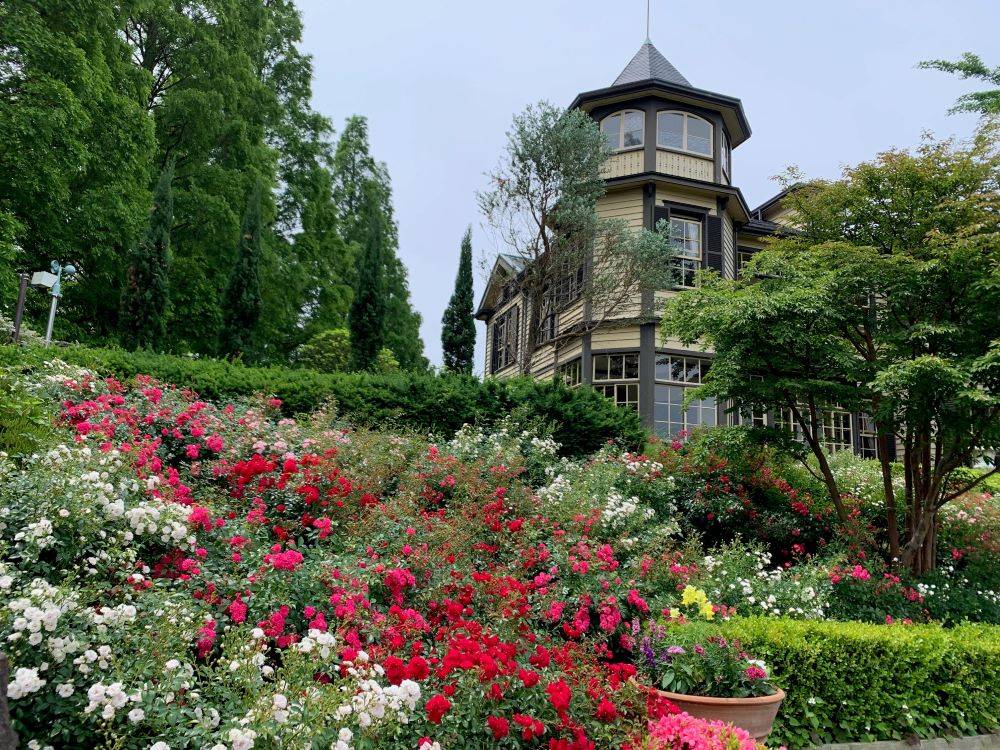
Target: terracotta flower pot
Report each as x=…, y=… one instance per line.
x=756, y=715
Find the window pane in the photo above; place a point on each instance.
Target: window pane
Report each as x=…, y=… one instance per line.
x=631, y=366
x=677, y=370
x=660, y=412
x=633, y=393
x=662, y=369
x=601, y=367
x=699, y=136
x=693, y=371
x=670, y=130
x=611, y=127
x=634, y=127
x=705, y=366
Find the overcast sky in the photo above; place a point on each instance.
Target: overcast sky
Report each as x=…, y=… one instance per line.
x=824, y=83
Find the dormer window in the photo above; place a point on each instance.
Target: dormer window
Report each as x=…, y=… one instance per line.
x=682, y=131
x=623, y=130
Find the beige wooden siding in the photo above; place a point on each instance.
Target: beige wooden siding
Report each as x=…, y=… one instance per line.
x=570, y=316
x=570, y=349
x=622, y=204
x=543, y=360
x=684, y=165
x=615, y=338
x=753, y=242
x=728, y=248
x=624, y=163
x=680, y=195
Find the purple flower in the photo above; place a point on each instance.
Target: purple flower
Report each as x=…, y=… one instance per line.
x=676, y=650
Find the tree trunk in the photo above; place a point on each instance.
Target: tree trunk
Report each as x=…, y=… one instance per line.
x=892, y=521
x=919, y=554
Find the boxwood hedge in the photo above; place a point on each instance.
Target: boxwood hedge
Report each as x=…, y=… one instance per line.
x=857, y=682
x=582, y=420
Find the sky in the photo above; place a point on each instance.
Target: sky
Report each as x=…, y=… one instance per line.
x=824, y=84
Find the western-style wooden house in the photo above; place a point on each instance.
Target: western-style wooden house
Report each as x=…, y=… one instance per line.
x=671, y=160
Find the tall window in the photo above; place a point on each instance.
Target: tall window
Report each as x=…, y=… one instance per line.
x=674, y=375
x=743, y=256
x=684, y=132
x=503, y=344
x=623, y=130
x=835, y=428
x=685, y=241
x=726, y=155
x=618, y=367
x=570, y=373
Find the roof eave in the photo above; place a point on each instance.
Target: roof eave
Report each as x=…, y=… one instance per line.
x=589, y=99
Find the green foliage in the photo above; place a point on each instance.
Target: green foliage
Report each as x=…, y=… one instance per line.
x=147, y=288
x=458, y=328
x=385, y=362
x=919, y=355
x=368, y=309
x=327, y=351
x=362, y=192
x=582, y=420
x=25, y=422
x=971, y=66
x=242, y=301
x=855, y=682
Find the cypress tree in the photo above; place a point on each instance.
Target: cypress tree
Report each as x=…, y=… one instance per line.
x=147, y=286
x=458, y=329
x=242, y=301
x=368, y=308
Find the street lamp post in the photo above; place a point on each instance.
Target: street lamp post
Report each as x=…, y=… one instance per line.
x=55, y=284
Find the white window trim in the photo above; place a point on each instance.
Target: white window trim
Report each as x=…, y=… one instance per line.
x=685, y=150
x=621, y=147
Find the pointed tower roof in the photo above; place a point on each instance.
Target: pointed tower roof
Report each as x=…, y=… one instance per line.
x=649, y=65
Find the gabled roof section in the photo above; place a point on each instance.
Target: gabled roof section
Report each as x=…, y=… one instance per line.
x=505, y=268
x=649, y=65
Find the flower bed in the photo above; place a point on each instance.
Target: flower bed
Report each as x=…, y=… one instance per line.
x=178, y=574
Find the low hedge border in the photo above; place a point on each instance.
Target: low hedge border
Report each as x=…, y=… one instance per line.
x=582, y=419
x=857, y=682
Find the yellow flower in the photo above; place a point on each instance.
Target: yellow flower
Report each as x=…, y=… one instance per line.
x=707, y=611
x=675, y=613
x=691, y=595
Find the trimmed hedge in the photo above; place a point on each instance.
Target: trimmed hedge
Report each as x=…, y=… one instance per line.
x=582, y=419
x=856, y=682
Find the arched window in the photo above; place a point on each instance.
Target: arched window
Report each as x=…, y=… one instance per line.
x=623, y=130
x=684, y=132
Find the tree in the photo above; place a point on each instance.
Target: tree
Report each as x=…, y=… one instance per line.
x=327, y=351
x=884, y=302
x=971, y=66
x=458, y=328
x=75, y=152
x=543, y=206
x=147, y=288
x=367, y=318
x=242, y=304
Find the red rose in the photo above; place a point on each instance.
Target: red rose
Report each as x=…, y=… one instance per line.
x=436, y=708
x=395, y=670
x=559, y=695
x=529, y=678
x=417, y=668
x=499, y=726
x=606, y=710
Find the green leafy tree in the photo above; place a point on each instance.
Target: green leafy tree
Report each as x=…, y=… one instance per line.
x=368, y=308
x=75, y=152
x=242, y=303
x=327, y=351
x=971, y=66
x=458, y=328
x=883, y=302
x=147, y=291
x=358, y=182
x=543, y=206
x=385, y=362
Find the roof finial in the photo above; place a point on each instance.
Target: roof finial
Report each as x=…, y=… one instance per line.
x=649, y=4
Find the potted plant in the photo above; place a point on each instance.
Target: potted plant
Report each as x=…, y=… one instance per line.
x=710, y=677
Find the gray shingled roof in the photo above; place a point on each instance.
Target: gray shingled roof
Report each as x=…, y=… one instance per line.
x=649, y=64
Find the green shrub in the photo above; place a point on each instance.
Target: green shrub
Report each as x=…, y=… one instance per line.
x=25, y=422
x=850, y=681
x=582, y=420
